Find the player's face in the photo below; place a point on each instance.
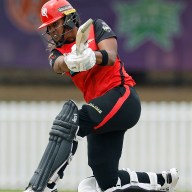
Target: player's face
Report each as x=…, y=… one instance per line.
x=70, y=34
x=57, y=29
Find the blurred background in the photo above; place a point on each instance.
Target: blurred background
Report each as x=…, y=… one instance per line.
x=155, y=44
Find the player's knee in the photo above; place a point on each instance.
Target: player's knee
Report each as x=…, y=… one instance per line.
x=66, y=123
x=86, y=121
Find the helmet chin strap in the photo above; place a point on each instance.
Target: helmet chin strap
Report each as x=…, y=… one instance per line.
x=62, y=41
x=70, y=23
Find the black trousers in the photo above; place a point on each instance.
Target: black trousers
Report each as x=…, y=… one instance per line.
x=104, y=121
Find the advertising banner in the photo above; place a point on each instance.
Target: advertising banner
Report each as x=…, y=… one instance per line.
x=153, y=35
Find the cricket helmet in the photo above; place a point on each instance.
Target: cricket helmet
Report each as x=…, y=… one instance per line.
x=54, y=10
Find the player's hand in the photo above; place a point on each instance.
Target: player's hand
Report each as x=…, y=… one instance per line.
x=83, y=47
x=82, y=62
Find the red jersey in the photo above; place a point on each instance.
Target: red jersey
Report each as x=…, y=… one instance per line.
x=99, y=79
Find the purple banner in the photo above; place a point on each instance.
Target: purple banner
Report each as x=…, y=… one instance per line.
x=153, y=35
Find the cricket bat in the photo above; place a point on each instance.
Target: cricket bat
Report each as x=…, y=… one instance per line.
x=82, y=36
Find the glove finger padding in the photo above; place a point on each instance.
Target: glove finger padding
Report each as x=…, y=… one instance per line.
x=87, y=60
x=82, y=62
x=82, y=47
x=69, y=60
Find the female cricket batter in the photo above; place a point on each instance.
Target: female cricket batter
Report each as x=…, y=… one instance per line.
x=112, y=107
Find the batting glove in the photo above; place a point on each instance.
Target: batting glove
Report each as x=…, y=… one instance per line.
x=82, y=62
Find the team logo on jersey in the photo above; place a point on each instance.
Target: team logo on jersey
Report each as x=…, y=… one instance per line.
x=52, y=56
x=51, y=59
x=106, y=27
x=44, y=12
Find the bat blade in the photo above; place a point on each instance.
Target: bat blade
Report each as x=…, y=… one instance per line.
x=82, y=36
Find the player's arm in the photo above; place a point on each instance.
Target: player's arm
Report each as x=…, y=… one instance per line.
x=107, y=43
x=110, y=46
x=106, y=55
x=60, y=66
x=56, y=60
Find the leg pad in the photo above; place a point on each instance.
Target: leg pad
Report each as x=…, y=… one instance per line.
x=59, y=149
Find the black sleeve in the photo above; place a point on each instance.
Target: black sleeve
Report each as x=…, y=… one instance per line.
x=53, y=56
x=102, y=31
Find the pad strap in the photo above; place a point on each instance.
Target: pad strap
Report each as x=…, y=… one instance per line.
x=133, y=177
x=135, y=185
x=152, y=178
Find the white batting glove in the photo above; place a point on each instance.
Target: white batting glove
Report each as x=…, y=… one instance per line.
x=82, y=62
x=83, y=47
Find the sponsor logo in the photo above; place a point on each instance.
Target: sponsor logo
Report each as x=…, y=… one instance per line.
x=95, y=107
x=74, y=118
x=90, y=40
x=61, y=9
x=69, y=11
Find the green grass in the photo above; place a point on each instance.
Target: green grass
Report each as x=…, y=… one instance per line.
x=22, y=191
x=59, y=191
